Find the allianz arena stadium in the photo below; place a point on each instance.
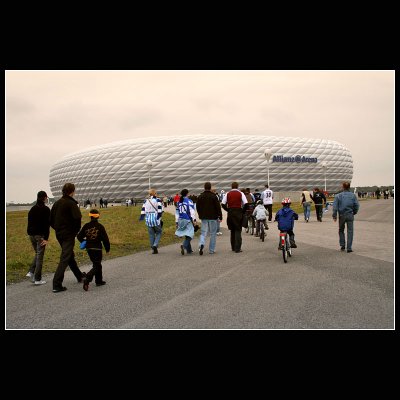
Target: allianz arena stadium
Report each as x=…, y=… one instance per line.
x=123, y=169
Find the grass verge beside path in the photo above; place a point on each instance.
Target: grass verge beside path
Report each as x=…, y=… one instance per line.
x=127, y=235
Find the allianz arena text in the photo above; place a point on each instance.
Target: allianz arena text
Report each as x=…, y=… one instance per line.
x=123, y=169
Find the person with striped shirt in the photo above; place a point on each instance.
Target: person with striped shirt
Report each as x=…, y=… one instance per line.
x=152, y=211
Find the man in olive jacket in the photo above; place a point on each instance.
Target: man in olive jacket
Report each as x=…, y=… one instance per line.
x=65, y=219
x=209, y=210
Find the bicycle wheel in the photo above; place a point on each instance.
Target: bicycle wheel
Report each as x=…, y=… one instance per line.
x=284, y=250
x=262, y=234
x=251, y=226
x=288, y=247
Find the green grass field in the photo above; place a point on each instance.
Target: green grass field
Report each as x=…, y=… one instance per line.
x=126, y=233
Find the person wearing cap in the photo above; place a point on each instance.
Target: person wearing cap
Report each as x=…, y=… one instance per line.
x=38, y=230
x=286, y=217
x=65, y=219
x=96, y=236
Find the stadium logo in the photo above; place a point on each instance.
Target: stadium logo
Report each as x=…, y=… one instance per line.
x=297, y=159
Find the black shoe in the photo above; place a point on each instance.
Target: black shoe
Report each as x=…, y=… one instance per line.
x=266, y=227
x=182, y=250
x=280, y=247
x=201, y=249
x=238, y=251
x=350, y=251
x=85, y=284
x=342, y=248
x=293, y=245
x=100, y=283
x=60, y=289
x=155, y=251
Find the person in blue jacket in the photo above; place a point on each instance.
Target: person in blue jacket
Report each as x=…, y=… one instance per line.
x=286, y=217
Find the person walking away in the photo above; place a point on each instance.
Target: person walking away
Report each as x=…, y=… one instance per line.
x=286, y=217
x=267, y=197
x=235, y=203
x=38, y=230
x=96, y=236
x=152, y=211
x=346, y=205
x=260, y=215
x=185, y=221
x=214, y=190
x=319, y=200
x=65, y=219
x=209, y=210
x=306, y=203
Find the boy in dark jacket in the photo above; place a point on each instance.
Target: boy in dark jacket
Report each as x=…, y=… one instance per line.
x=95, y=235
x=285, y=217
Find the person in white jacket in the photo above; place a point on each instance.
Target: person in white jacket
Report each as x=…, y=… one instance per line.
x=260, y=214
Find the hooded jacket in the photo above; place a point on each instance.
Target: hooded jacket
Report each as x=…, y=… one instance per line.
x=285, y=217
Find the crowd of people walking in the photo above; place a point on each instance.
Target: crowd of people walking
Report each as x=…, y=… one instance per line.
x=65, y=218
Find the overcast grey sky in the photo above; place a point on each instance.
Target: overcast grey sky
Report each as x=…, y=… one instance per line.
x=52, y=113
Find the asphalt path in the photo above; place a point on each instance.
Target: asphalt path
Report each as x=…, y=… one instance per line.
x=319, y=288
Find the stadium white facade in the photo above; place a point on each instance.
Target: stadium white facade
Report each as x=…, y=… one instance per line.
x=119, y=170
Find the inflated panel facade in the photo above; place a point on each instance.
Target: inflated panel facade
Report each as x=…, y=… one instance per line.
x=119, y=170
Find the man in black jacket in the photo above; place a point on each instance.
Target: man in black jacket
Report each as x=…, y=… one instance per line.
x=209, y=210
x=38, y=230
x=65, y=219
x=319, y=200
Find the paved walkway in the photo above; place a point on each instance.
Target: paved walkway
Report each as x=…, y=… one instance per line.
x=319, y=288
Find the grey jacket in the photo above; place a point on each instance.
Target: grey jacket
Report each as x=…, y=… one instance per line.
x=345, y=203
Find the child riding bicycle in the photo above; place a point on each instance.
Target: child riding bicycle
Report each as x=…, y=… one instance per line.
x=260, y=213
x=285, y=217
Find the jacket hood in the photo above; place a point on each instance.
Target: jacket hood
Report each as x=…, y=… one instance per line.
x=286, y=211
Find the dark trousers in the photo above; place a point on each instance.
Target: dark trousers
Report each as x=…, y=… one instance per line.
x=97, y=270
x=318, y=211
x=269, y=208
x=67, y=258
x=37, y=263
x=236, y=239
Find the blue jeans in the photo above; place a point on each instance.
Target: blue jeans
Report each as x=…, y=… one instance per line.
x=307, y=210
x=186, y=244
x=37, y=263
x=154, y=235
x=343, y=220
x=209, y=226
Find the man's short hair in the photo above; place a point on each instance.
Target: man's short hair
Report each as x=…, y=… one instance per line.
x=235, y=185
x=68, y=188
x=207, y=186
x=267, y=186
x=346, y=185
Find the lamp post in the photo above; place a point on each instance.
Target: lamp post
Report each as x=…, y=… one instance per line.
x=323, y=165
x=267, y=155
x=149, y=164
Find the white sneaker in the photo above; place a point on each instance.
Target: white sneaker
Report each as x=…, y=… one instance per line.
x=29, y=275
x=40, y=282
x=219, y=233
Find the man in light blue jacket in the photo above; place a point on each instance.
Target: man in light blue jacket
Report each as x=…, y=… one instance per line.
x=346, y=204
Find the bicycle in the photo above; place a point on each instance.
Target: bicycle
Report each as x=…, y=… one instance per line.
x=250, y=225
x=285, y=245
x=262, y=230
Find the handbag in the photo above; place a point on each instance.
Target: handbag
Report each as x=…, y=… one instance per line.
x=82, y=246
